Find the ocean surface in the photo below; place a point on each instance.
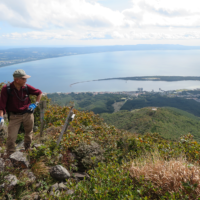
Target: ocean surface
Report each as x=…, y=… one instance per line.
x=56, y=74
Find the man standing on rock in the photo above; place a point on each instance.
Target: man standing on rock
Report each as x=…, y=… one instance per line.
x=15, y=101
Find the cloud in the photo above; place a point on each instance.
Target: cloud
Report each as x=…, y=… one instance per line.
x=130, y=35
x=45, y=14
x=163, y=13
x=90, y=20
x=60, y=13
x=37, y=35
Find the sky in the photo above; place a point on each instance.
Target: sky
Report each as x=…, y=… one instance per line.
x=99, y=22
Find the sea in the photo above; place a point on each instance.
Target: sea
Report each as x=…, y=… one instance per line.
x=57, y=74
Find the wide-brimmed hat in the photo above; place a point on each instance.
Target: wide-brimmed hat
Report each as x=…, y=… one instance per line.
x=20, y=73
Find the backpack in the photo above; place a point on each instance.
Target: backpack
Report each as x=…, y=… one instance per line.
x=9, y=94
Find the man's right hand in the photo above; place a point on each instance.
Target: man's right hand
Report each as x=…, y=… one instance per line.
x=1, y=122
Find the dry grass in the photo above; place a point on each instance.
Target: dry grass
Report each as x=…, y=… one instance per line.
x=40, y=169
x=167, y=176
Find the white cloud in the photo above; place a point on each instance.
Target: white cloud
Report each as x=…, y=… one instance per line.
x=61, y=13
x=130, y=35
x=90, y=20
x=37, y=35
x=177, y=13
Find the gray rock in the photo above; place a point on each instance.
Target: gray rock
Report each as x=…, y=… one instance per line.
x=54, y=187
x=62, y=186
x=59, y=172
x=37, y=185
x=55, y=194
x=2, y=186
x=88, y=155
x=37, y=145
x=29, y=176
x=81, y=175
x=35, y=128
x=2, y=164
x=70, y=192
x=51, y=193
x=10, y=181
x=36, y=197
x=19, y=159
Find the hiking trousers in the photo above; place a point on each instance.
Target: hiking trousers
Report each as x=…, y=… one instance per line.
x=14, y=124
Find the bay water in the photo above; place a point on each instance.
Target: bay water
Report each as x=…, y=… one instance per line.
x=57, y=74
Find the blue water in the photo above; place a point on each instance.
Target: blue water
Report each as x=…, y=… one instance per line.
x=56, y=74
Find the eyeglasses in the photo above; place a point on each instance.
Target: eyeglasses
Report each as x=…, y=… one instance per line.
x=24, y=79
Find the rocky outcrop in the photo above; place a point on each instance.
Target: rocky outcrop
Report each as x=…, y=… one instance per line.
x=19, y=160
x=88, y=155
x=9, y=182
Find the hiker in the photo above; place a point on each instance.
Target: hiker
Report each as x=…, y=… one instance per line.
x=15, y=101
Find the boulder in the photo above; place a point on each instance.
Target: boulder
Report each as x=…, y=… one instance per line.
x=9, y=182
x=81, y=175
x=19, y=160
x=59, y=172
x=28, y=176
x=2, y=164
x=88, y=155
x=37, y=145
x=54, y=187
x=62, y=186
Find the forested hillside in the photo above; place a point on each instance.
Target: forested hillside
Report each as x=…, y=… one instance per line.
x=170, y=123
x=156, y=100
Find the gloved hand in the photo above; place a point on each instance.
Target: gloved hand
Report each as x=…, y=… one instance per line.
x=32, y=106
x=1, y=122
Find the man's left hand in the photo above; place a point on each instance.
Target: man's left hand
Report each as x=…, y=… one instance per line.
x=1, y=122
x=33, y=106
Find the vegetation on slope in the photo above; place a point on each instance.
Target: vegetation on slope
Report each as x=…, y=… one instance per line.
x=188, y=105
x=170, y=123
x=119, y=175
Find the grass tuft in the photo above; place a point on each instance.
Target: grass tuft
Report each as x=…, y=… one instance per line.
x=170, y=176
x=40, y=169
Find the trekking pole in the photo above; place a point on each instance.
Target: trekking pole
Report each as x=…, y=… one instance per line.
x=70, y=117
x=42, y=107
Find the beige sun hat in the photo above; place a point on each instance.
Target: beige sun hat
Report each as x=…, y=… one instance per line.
x=20, y=73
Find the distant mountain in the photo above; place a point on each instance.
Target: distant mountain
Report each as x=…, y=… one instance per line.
x=170, y=123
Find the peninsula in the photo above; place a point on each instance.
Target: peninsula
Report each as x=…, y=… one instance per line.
x=148, y=78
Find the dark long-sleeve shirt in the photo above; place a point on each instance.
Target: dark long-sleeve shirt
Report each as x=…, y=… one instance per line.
x=16, y=101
